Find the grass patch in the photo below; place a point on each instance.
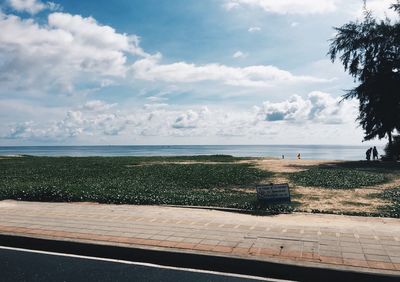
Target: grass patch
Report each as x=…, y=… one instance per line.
x=115, y=180
x=337, y=178
x=393, y=196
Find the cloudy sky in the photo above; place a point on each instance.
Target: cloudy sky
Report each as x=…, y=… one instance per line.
x=175, y=72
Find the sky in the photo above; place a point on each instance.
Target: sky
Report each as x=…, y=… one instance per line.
x=149, y=72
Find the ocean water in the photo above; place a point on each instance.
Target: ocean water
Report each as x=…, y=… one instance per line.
x=316, y=152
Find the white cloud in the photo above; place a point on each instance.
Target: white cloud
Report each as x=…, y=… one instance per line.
x=318, y=107
x=254, y=29
x=58, y=55
x=192, y=119
x=286, y=6
x=379, y=8
x=239, y=54
x=33, y=6
x=71, y=50
x=97, y=119
x=97, y=105
x=151, y=69
x=29, y=6
x=76, y=123
x=54, y=6
x=230, y=5
x=156, y=99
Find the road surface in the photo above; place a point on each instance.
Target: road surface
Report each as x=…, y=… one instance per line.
x=25, y=265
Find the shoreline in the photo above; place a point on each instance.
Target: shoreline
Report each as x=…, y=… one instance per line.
x=309, y=152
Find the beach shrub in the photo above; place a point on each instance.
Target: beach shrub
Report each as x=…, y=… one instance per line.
x=337, y=178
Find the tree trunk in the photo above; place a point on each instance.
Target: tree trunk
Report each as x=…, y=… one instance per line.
x=390, y=138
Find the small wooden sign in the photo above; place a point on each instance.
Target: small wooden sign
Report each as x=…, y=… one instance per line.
x=273, y=192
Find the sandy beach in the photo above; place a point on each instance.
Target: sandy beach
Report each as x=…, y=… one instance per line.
x=319, y=198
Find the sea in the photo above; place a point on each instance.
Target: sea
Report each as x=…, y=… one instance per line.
x=311, y=152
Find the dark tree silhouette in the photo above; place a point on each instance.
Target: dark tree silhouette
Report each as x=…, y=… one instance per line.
x=370, y=52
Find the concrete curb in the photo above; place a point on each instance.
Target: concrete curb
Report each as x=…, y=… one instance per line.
x=244, y=266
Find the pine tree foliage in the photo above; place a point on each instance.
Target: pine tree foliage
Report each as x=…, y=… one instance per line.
x=370, y=52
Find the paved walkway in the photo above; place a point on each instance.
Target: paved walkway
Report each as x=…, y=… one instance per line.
x=366, y=244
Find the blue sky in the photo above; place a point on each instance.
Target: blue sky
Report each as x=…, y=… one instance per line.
x=175, y=72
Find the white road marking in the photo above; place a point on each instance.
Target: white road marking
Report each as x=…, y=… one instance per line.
x=147, y=264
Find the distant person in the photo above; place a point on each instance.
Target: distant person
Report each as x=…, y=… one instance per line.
x=298, y=156
x=375, y=153
x=283, y=157
x=368, y=154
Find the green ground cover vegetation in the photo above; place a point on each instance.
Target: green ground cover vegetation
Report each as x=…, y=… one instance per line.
x=393, y=196
x=134, y=180
x=337, y=178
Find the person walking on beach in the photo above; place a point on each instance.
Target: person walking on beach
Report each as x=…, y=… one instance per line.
x=368, y=154
x=375, y=153
x=298, y=156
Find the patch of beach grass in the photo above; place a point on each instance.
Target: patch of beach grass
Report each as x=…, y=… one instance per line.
x=337, y=178
x=392, y=196
x=115, y=180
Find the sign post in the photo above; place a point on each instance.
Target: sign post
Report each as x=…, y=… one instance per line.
x=273, y=192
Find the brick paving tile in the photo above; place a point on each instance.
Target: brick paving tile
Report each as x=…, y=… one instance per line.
x=369, y=242
x=381, y=265
x=377, y=258
x=310, y=244
x=244, y=227
x=150, y=242
x=392, y=248
x=356, y=256
x=376, y=246
x=329, y=242
x=244, y=244
x=332, y=260
x=269, y=251
x=228, y=243
x=393, y=253
x=390, y=242
x=290, y=254
x=241, y=251
x=159, y=237
x=204, y=247
x=349, y=244
x=355, y=262
x=329, y=248
x=386, y=238
x=309, y=255
x=254, y=251
x=210, y=242
x=375, y=252
x=352, y=250
x=395, y=259
x=167, y=244
x=348, y=239
x=126, y=240
x=191, y=240
x=166, y=233
x=183, y=245
x=222, y=249
x=330, y=254
x=366, y=237
x=176, y=238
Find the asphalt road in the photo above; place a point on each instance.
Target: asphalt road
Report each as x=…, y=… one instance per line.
x=20, y=265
